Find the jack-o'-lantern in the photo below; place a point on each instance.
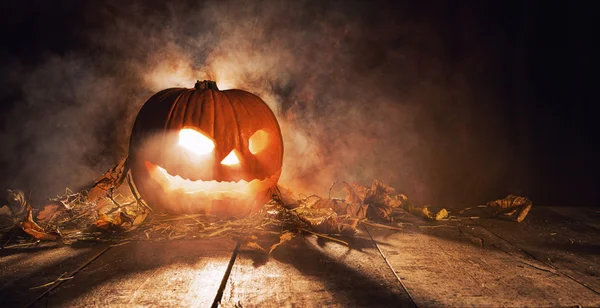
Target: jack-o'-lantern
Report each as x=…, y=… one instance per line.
x=203, y=150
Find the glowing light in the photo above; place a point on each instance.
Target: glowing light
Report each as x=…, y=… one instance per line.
x=258, y=141
x=195, y=141
x=213, y=190
x=189, y=186
x=231, y=159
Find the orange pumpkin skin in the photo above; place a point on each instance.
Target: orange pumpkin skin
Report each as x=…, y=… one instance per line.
x=174, y=179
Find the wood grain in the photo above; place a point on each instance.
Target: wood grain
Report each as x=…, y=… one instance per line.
x=568, y=245
x=166, y=274
x=22, y=269
x=550, y=259
x=307, y=272
x=587, y=215
x=464, y=265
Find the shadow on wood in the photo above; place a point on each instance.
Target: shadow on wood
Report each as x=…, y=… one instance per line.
x=176, y=273
x=22, y=269
x=495, y=262
x=307, y=272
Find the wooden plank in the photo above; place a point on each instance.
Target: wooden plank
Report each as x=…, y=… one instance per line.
x=163, y=274
x=568, y=245
x=24, y=268
x=307, y=272
x=587, y=215
x=461, y=264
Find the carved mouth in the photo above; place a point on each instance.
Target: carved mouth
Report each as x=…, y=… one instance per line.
x=214, y=189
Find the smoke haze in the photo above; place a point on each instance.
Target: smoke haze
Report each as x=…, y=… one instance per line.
x=408, y=95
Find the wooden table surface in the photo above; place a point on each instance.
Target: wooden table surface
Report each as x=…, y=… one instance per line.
x=552, y=259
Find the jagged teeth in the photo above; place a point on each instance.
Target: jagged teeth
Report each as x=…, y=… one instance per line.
x=177, y=182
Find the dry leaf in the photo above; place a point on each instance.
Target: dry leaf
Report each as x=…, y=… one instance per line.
x=376, y=201
x=312, y=216
x=524, y=211
x=103, y=223
x=113, y=178
x=139, y=219
x=17, y=202
x=355, y=192
x=378, y=193
x=50, y=211
x=335, y=225
x=33, y=229
x=394, y=201
x=256, y=246
x=381, y=189
x=439, y=215
x=406, y=204
x=122, y=221
x=511, y=205
x=285, y=197
x=285, y=237
x=443, y=213
x=356, y=210
x=5, y=210
x=380, y=211
x=323, y=204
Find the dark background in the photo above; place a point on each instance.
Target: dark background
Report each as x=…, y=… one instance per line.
x=474, y=100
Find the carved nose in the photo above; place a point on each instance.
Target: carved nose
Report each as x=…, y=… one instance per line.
x=231, y=159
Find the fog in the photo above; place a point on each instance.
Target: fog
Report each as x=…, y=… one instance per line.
x=405, y=95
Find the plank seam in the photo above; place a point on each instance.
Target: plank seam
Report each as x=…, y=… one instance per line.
x=56, y=285
x=219, y=295
x=537, y=259
x=391, y=268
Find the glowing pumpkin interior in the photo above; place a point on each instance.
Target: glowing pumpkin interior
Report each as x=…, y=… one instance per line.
x=201, y=148
x=205, y=150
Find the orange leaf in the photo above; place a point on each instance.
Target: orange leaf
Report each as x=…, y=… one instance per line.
x=33, y=229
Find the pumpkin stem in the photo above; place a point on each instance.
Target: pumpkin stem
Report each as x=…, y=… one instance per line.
x=206, y=84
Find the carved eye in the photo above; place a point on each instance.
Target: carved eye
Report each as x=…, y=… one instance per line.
x=258, y=141
x=195, y=141
x=231, y=159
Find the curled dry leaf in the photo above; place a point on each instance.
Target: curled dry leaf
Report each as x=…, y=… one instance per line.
x=375, y=202
x=435, y=215
x=380, y=211
x=33, y=229
x=285, y=197
x=103, y=223
x=122, y=221
x=284, y=237
x=511, y=205
x=17, y=202
x=394, y=201
x=113, y=178
x=356, y=193
x=378, y=193
x=139, y=219
x=405, y=203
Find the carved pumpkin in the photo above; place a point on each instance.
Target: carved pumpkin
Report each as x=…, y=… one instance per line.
x=203, y=150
